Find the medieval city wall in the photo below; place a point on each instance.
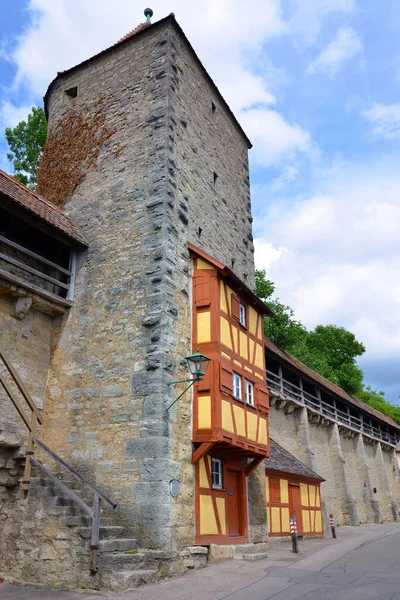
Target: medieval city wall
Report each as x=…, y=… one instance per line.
x=346, y=460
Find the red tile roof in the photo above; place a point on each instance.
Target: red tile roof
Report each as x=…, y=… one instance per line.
x=140, y=27
x=35, y=204
x=334, y=389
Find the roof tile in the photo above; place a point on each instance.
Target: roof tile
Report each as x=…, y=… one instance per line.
x=37, y=205
x=281, y=460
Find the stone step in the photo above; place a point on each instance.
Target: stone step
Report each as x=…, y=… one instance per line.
x=253, y=557
x=125, y=580
x=84, y=520
x=121, y=561
x=106, y=533
x=118, y=545
x=241, y=549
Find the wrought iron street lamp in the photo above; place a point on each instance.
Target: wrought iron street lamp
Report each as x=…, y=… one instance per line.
x=197, y=365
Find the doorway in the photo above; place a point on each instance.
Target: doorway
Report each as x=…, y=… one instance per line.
x=295, y=506
x=233, y=488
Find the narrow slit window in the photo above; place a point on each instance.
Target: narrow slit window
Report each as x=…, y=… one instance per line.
x=249, y=392
x=242, y=315
x=215, y=175
x=216, y=473
x=213, y=107
x=237, y=386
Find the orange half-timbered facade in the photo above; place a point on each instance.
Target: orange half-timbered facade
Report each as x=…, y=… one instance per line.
x=230, y=409
x=292, y=490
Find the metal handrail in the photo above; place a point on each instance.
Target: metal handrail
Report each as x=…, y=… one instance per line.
x=77, y=475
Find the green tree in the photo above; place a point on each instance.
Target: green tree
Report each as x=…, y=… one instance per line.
x=332, y=352
x=26, y=142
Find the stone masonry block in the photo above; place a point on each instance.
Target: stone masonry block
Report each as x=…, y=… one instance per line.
x=155, y=491
x=147, y=447
x=159, y=469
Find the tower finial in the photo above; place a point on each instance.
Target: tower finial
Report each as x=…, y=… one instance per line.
x=148, y=13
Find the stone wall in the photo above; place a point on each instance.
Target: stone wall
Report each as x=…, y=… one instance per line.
x=26, y=338
x=347, y=461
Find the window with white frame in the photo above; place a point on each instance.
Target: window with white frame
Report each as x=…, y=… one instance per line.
x=237, y=386
x=216, y=473
x=242, y=315
x=249, y=392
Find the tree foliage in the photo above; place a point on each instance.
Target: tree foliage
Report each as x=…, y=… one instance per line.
x=329, y=350
x=26, y=142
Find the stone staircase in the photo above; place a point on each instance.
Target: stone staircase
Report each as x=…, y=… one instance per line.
x=121, y=565
x=12, y=456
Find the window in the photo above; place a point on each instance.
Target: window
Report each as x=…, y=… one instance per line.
x=237, y=386
x=249, y=392
x=216, y=473
x=72, y=92
x=242, y=315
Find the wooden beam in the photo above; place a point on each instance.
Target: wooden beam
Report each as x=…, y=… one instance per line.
x=201, y=451
x=24, y=250
x=34, y=288
x=14, y=374
x=253, y=465
x=28, y=269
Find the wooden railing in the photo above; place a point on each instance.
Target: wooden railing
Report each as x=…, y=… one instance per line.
x=291, y=391
x=58, y=286
x=31, y=424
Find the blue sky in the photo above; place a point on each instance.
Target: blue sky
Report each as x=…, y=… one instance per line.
x=315, y=85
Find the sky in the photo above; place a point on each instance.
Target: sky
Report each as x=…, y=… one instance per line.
x=314, y=83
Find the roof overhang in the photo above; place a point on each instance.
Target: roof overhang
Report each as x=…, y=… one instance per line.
x=236, y=283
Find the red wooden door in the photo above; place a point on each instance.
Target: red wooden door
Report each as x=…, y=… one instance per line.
x=295, y=506
x=233, y=503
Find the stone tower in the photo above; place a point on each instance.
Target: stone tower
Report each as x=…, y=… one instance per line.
x=145, y=156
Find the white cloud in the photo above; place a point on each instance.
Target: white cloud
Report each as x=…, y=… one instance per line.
x=308, y=16
x=335, y=257
x=11, y=115
x=385, y=119
x=273, y=137
x=344, y=46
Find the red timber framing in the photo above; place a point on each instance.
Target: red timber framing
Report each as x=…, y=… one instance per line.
x=231, y=404
x=289, y=494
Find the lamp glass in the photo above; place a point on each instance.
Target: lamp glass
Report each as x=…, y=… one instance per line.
x=198, y=364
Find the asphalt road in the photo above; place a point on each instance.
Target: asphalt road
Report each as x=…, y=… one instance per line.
x=362, y=564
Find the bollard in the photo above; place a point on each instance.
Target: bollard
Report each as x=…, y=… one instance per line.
x=332, y=524
x=293, y=533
